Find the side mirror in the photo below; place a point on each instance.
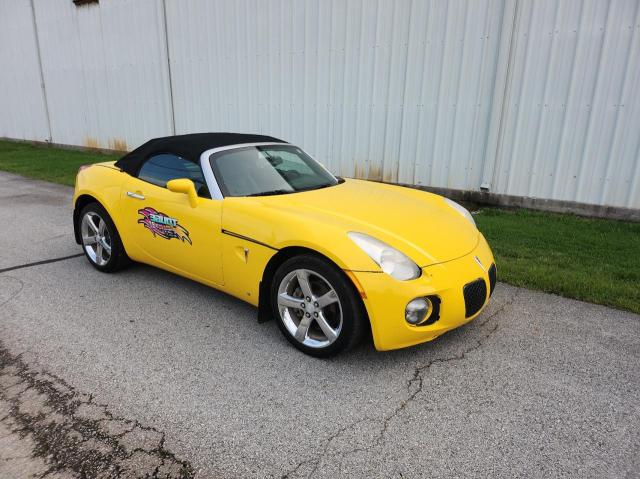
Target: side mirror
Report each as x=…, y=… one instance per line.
x=183, y=185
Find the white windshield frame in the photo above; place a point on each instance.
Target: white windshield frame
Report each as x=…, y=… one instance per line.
x=210, y=177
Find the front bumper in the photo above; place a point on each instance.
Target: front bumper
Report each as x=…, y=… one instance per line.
x=386, y=298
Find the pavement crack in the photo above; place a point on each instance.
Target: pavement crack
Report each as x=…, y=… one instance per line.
x=14, y=294
x=70, y=432
x=414, y=387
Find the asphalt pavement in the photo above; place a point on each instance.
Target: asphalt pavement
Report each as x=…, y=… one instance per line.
x=143, y=372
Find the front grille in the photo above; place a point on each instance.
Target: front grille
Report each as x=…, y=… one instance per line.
x=475, y=294
x=492, y=279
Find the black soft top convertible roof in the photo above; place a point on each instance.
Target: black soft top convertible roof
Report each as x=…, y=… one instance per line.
x=189, y=147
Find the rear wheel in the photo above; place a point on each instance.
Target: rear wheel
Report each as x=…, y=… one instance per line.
x=316, y=307
x=100, y=239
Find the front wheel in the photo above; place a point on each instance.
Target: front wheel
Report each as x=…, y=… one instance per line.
x=316, y=307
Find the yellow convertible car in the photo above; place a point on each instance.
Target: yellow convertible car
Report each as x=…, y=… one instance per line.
x=329, y=258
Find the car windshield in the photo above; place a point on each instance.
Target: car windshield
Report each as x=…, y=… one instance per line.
x=268, y=170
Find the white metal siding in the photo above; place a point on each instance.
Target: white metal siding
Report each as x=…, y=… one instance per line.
x=22, y=111
x=571, y=129
x=532, y=98
x=398, y=91
x=105, y=70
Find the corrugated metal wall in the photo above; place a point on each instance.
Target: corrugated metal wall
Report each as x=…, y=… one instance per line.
x=105, y=70
x=365, y=86
x=571, y=122
x=22, y=106
x=525, y=98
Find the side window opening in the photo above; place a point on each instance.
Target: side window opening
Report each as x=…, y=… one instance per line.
x=164, y=167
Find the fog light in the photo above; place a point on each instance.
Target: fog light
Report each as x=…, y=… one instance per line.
x=417, y=311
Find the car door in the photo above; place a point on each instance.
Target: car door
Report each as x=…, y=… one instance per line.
x=165, y=229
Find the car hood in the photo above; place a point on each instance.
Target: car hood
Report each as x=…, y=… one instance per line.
x=420, y=224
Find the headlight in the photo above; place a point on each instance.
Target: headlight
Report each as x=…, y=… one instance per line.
x=390, y=260
x=462, y=210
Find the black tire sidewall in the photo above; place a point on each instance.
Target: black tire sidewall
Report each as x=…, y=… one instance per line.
x=118, y=255
x=352, y=309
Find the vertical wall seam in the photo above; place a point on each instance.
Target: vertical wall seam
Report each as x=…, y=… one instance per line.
x=341, y=169
x=438, y=104
x=42, y=84
x=421, y=87
x=331, y=94
x=404, y=94
x=388, y=107
x=478, y=136
x=635, y=180
x=76, y=24
x=559, y=157
x=456, y=107
x=491, y=167
x=166, y=46
x=520, y=111
x=614, y=134
x=595, y=94
x=544, y=111
x=372, y=97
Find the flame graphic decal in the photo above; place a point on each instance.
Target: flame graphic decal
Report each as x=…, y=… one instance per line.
x=162, y=225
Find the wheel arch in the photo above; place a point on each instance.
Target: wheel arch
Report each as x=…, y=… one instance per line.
x=81, y=201
x=264, y=297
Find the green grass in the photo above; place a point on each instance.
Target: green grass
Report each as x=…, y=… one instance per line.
x=589, y=259
x=45, y=162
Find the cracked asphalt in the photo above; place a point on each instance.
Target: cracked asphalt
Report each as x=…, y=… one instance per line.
x=145, y=374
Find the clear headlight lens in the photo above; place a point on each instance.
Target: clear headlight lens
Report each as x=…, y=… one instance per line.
x=391, y=261
x=462, y=210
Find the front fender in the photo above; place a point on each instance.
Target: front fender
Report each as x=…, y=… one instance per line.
x=279, y=229
x=97, y=183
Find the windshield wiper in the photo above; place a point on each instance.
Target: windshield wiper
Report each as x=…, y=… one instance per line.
x=318, y=187
x=285, y=192
x=272, y=192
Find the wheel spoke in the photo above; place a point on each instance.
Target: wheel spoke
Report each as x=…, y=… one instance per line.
x=99, y=253
x=326, y=329
x=303, y=281
x=327, y=299
x=106, y=246
x=289, y=301
x=299, y=307
x=101, y=228
x=89, y=240
x=92, y=225
x=303, y=327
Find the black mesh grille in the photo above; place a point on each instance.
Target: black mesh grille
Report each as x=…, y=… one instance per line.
x=475, y=294
x=492, y=279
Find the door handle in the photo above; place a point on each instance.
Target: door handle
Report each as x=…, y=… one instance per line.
x=135, y=195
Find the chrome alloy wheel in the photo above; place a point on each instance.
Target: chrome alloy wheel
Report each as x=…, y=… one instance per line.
x=95, y=238
x=310, y=308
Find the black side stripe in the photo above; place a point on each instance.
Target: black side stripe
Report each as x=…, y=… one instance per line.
x=236, y=235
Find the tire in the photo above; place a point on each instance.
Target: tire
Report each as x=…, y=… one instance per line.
x=332, y=319
x=95, y=221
